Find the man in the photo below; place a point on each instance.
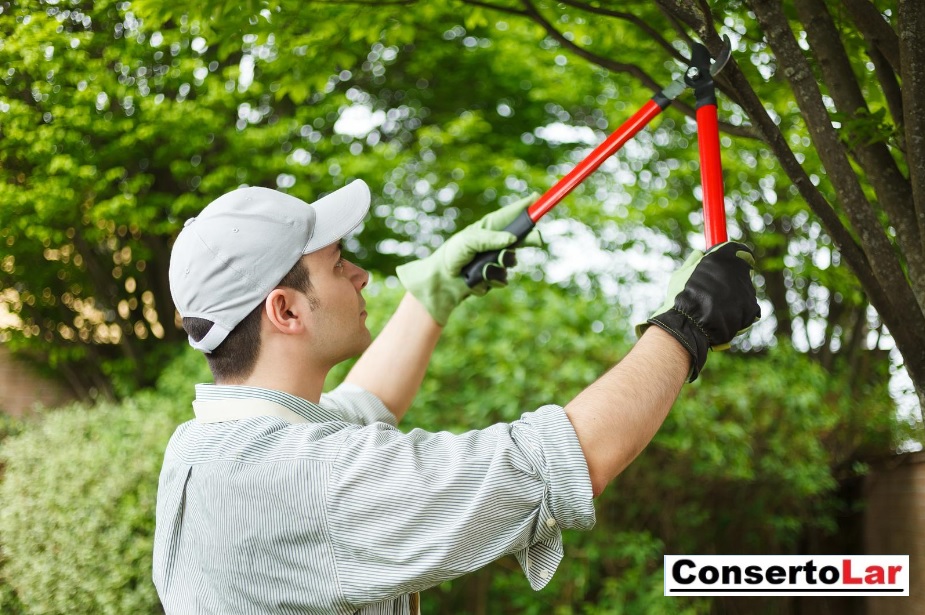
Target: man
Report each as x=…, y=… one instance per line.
x=279, y=499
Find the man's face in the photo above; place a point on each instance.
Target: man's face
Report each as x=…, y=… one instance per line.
x=339, y=312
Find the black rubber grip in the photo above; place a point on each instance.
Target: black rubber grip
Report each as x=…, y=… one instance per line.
x=661, y=100
x=474, y=272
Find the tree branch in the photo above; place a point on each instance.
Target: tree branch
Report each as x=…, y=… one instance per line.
x=912, y=57
x=654, y=34
x=611, y=65
x=687, y=13
x=853, y=253
x=752, y=105
x=366, y=2
x=892, y=189
x=899, y=306
x=495, y=7
x=620, y=67
x=869, y=22
x=891, y=93
x=883, y=48
x=677, y=25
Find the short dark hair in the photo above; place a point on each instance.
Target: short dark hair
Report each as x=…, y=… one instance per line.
x=236, y=357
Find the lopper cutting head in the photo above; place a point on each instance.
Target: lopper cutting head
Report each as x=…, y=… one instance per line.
x=722, y=59
x=699, y=66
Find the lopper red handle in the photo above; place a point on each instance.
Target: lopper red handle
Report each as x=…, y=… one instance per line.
x=475, y=271
x=596, y=158
x=711, y=176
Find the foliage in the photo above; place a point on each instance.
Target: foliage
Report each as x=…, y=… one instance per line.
x=753, y=428
x=749, y=460
x=9, y=603
x=120, y=119
x=9, y=426
x=77, y=523
x=750, y=432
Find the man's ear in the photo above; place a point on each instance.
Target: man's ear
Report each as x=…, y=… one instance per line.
x=285, y=312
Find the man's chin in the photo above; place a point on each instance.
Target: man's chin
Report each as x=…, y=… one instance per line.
x=364, y=342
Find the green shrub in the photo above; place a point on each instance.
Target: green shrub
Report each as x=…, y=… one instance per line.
x=78, y=493
x=77, y=521
x=9, y=426
x=9, y=603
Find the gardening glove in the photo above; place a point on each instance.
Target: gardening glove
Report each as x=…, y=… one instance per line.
x=437, y=282
x=711, y=299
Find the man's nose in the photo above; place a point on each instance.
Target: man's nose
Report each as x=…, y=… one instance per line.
x=359, y=276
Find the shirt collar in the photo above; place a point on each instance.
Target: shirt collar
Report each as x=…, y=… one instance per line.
x=304, y=408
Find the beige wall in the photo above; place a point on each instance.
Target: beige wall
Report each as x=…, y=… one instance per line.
x=21, y=388
x=894, y=523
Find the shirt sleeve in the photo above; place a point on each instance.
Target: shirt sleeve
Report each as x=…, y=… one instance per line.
x=357, y=405
x=409, y=511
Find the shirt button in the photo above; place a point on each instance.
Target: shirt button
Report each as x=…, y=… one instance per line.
x=550, y=522
x=544, y=574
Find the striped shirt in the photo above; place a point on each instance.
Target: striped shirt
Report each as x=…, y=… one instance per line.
x=329, y=508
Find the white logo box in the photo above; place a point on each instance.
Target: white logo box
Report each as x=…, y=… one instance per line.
x=786, y=575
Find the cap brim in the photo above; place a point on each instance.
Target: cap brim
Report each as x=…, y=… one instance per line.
x=337, y=214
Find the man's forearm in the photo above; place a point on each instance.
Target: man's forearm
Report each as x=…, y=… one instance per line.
x=393, y=367
x=617, y=416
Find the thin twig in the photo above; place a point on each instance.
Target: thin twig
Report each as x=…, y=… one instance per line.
x=654, y=34
x=677, y=25
x=495, y=7
x=365, y=2
x=624, y=68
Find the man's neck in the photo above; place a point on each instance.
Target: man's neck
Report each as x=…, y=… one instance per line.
x=304, y=383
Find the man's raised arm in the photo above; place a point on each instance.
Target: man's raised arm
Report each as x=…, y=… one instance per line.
x=393, y=367
x=710, y=299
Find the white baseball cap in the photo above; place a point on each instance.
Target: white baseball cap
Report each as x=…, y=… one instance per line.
x=227, y=259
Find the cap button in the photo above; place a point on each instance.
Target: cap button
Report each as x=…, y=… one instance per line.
x=188, y=222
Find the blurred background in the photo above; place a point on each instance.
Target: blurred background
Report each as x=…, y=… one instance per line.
x=121, y=119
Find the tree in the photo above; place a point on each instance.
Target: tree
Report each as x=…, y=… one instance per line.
x=863, y=180
x=864, y=126
x=113, y=133
x=854, y=73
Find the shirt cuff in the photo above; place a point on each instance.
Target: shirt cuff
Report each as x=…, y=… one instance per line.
x=568, y=503
x=357, y=405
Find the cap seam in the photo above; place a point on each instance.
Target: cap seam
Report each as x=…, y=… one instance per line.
x=227, y=263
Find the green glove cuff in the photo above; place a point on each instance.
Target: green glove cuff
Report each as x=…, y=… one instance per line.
x=438, y=294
